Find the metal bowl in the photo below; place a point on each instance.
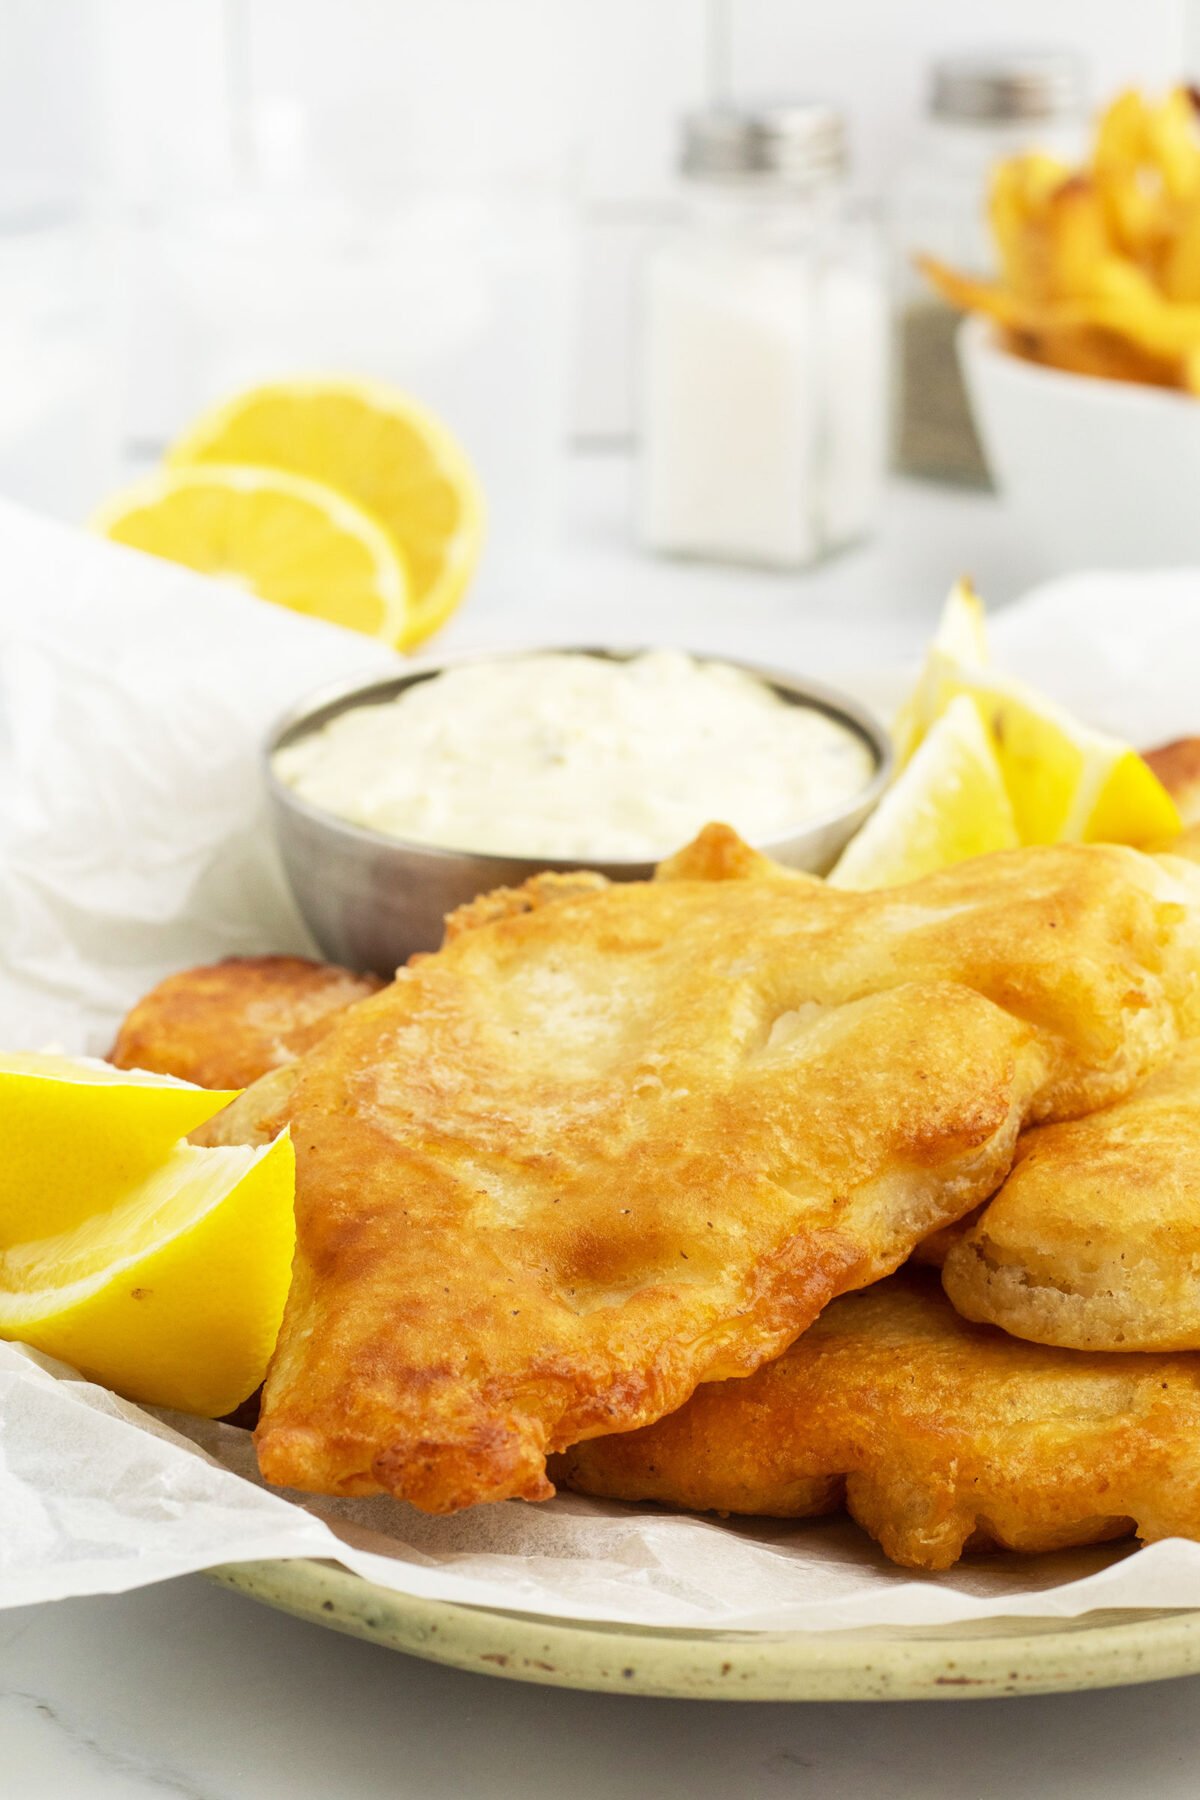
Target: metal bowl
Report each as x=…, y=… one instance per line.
x=370, y=901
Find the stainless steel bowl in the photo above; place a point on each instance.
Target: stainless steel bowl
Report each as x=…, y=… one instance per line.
x=371, y=900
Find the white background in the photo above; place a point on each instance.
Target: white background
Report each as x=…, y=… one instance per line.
x=148, y=96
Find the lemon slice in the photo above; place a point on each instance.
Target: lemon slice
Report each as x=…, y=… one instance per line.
x=949, y=804
x=1067, y=783
x=174, y=1295
x=78, y=1133
x=959, y=644
x=290, y=540
x=380, y=449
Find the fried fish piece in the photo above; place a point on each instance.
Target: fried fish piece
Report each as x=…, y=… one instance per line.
x=508, y=903
x=941, y=1436
x=932, y=1251
x=719, y=854
x=592, y=1154
x=224, y=1025
x=1094, y=1239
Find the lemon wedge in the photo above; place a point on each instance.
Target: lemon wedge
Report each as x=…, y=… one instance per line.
x=285, y=538
x=1066, y=782
x=77, y=1134
x=174, y=1294
x=958, y=645
x=947, y=805
x=381, y=450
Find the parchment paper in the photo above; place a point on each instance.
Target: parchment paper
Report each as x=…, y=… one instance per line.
x=133, y=842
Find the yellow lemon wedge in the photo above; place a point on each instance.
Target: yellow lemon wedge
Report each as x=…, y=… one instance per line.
x=383, y=451
x=1067, y=783
x=959, y=644
x=287, y=539
x=948, y=804
x=174, y=1294
x=77, y=1134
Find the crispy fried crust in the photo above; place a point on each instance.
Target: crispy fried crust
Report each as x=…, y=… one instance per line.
x=250, y=1119
x=945, y=1436
x=590, y=1155
x=1094, y=1239
x=509, y=903
x=719, y=854
x=224, y=1025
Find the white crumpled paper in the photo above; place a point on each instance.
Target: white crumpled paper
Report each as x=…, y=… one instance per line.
x=133, y=842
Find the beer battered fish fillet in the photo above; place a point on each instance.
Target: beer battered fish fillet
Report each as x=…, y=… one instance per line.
x=1094, y=1239
x=592, y=1154
x=224, y=1025
x=940, y=1435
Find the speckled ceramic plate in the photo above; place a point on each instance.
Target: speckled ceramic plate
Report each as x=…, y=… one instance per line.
x=985, y=1660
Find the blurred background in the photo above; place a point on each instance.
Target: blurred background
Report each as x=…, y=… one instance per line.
x=459, y=196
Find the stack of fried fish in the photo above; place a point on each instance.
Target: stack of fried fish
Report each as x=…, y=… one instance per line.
x=645, y=1189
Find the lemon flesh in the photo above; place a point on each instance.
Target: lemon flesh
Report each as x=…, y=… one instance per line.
x=1067, y=783
x=948, y=805
x=78, y=1134
x=290, y=540
x=384, y=452
x=174, y=1295
x=959, y=644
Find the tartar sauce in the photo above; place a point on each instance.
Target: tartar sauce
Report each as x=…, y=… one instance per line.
x=565, y=755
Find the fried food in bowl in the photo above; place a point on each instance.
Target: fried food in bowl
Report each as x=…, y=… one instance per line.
x=1099, y=267
x=1082, y=354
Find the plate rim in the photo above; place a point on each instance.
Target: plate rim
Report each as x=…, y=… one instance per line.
x=982, y=1659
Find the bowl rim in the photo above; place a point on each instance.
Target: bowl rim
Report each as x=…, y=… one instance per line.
x=325, y=702
x=977, y=342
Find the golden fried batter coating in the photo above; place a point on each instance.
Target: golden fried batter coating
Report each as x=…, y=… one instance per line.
x=944, y=1436
x=592, y=1154
x=1094, y=1239
x=719, y=854
x=224, y=1025
x=509, y=903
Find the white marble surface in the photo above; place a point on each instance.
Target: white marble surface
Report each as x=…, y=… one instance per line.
x=184, y=1690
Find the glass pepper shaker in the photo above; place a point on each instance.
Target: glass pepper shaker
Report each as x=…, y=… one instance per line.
x=981, y=110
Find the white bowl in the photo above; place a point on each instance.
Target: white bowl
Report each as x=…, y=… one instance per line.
x=1095, y=471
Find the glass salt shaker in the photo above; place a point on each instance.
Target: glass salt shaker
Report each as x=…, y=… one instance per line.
x=764, y=381
x=980, y=110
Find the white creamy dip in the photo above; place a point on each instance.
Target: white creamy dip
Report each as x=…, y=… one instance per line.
x=569, y=756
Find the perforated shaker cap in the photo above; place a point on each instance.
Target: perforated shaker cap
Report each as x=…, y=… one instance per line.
x=1007, y=85
x=793, y=141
